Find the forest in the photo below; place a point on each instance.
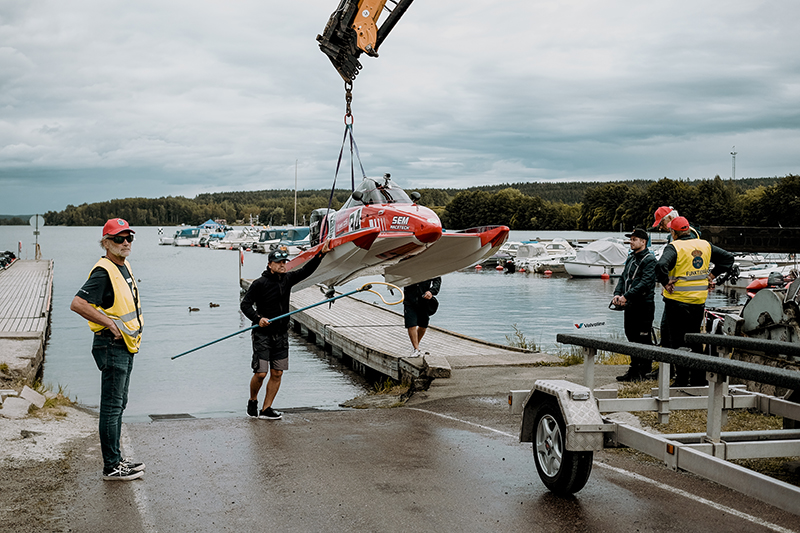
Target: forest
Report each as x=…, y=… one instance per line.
x=595, y=206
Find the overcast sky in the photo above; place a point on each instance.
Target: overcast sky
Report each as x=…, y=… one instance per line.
x=103, y=99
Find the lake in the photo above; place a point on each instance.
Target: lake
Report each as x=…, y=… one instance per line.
x=214, y=381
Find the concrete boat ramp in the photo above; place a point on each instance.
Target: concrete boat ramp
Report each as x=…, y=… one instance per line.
x=372, y=339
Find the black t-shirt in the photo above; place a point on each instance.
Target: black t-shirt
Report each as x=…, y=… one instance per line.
x=98, y=289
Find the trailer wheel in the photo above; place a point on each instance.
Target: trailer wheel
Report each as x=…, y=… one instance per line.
x=562, y=471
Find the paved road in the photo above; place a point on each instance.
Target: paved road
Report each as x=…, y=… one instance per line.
x=449, y=461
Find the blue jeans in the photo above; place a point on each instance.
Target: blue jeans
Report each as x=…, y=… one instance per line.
x=115, y=362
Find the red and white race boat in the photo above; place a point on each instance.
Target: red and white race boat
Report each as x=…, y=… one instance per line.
x=382, y=230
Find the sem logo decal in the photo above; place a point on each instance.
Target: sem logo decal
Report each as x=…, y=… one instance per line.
x=400, y=221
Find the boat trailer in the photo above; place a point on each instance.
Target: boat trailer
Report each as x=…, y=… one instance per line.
x=565, y=421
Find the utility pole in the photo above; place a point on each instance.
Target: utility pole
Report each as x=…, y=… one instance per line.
x=733, y=163
x=295, y=192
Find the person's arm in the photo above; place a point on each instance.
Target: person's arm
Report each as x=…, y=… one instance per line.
x=723, y=261
x=296, y=276
x=667, y=262
x=436, y=285
x=92, y=314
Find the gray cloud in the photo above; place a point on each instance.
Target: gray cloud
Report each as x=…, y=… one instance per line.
x=188, y=97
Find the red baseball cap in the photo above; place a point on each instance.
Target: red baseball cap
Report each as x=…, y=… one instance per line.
x=679, y=224
x=116, y=225
x=661, y=212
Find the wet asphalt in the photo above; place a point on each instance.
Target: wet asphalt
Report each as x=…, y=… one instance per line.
x=450, y=460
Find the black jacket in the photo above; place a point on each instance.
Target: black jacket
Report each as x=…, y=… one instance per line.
x=638, y=279
x=413, y=293
x=268, y=296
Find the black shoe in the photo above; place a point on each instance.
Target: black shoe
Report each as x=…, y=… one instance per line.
x=132, y=465
x=121, y=473
x=252, y=408
x=270, y=414
x=631, y=375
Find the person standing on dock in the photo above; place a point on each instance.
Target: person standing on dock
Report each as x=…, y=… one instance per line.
x=634, y=293
x=419, y=303
x=109, y=300
x=268, y=296
x=683, y=270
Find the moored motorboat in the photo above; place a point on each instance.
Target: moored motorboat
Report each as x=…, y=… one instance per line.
x=603, y=256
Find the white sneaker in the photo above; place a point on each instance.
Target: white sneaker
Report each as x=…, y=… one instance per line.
x=415, y=353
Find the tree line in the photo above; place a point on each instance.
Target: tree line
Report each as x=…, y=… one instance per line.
x=602, y=206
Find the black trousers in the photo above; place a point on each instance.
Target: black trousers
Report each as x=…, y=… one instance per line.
x=638, y=325
x=679, y=319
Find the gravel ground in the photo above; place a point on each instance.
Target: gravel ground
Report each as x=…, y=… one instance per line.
x=38, y=456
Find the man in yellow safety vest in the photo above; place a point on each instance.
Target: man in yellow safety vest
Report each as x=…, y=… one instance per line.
x=685, y=272
x=109, y=300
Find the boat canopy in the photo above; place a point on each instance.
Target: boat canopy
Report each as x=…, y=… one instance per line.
x=378, y=191
x=603, y=252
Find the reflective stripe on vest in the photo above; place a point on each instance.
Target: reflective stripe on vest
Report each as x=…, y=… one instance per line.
x=126, y=312
x=690, y=271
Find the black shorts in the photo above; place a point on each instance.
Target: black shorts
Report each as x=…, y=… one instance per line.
x=414, y=316
x=270, y=351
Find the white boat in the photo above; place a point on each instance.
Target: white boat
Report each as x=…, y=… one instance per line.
x=745, y=275
x=603, y=256
x=187, y=237
x=529, y=255
x=236, y=238
x=168, y=240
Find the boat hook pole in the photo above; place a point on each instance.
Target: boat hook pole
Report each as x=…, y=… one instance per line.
x=366, y=287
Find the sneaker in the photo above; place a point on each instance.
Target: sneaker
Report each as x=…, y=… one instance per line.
x=415, y=353
x=270, y=414
x=252, y=408
x=132, y=465
x=121, y=473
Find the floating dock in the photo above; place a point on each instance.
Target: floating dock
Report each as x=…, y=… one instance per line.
x=372, y=338
x=26, y=291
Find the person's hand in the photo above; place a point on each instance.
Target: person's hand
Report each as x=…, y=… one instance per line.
x=711, y=283
x=115, y=331
x=619, y=301
x=670, y=287
x=326, y=247
x=263, y=322
x=427, y=295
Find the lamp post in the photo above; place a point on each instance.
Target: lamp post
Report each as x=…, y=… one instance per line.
x=733, y=163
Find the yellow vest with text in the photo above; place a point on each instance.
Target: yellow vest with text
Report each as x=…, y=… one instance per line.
x=690, y=271
x=126, y=312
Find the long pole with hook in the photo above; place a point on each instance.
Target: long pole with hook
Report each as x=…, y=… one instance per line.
x=365, y=287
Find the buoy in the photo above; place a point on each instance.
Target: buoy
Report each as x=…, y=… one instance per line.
x=548, y=272
x=521, y=270
x=498, y=267
x=478, y=267
x=604, y=275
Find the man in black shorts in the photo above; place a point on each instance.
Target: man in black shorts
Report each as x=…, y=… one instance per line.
x=417, y=309
x=268, y=296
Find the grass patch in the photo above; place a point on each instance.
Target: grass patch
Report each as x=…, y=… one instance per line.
x=4, y=368
x=53, y=402
x=389, y=386
x=519, y=340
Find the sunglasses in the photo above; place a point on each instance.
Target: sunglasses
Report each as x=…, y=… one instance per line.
x=119, y=239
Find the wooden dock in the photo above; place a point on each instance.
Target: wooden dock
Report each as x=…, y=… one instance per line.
x=26, y=290
x=375, y=338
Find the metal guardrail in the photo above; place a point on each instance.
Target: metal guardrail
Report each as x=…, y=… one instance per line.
x=767, y=346
x=780, y=377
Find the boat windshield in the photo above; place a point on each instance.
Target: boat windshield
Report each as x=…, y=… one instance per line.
x=374, y=193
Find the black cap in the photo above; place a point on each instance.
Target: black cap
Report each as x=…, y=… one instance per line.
x=278, y=255
x=637, y=232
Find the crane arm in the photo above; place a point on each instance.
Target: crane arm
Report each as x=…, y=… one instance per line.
x=353, y=28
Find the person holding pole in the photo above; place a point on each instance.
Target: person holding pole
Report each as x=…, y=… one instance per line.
x=109, y=300
x=268, y=297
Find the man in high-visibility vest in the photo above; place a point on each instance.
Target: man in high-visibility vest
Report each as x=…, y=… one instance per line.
x=109, y=300
x=685, y=272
